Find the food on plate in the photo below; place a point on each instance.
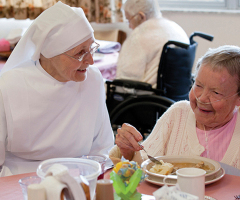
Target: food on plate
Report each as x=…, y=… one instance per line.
x=168, y=168
x=164, y=169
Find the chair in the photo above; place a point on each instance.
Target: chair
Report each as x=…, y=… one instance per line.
x=141, y=111
x=139, y=104
x=114, y=35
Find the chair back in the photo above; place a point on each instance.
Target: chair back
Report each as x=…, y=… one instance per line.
x=175, y=70
x=175, y=67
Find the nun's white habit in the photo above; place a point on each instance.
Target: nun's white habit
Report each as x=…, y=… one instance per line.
x=43, y=118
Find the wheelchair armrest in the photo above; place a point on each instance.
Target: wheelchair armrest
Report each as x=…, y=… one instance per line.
x=176, y=43
x=130, y=84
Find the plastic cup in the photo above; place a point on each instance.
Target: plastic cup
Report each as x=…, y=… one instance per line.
x=90, y=169
x=26, y=181
x=100, y=159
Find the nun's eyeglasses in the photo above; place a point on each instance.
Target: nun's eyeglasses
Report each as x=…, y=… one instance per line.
x=213, y=96
x=82, y=53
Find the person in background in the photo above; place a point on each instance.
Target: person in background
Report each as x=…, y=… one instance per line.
x=52, y=103
x=207, y=125
x=140, y=54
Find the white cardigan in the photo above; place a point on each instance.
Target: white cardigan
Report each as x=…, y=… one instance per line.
x=175, y=134
x=140, y=54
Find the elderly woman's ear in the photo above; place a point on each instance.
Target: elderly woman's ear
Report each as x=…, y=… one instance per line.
x=142, y=16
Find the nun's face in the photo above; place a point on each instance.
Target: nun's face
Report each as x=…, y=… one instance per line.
x=66, y=67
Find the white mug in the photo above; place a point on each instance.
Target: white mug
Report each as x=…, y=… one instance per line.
x=191, y=180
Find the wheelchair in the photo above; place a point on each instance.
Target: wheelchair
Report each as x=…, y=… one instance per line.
x=140, y=105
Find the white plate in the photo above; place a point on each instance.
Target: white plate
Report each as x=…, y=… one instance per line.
x=208, y=179
x=98, y=56
x=146, y=165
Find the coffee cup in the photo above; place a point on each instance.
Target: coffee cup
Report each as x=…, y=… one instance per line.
x=191, y=180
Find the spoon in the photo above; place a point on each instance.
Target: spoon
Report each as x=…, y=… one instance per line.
x=150, y=157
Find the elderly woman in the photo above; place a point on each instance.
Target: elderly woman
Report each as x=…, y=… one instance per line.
x=52, y=104
x=140, y=54
x=208, y=125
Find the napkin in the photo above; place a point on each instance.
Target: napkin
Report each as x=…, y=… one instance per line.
x=172, y=193
x=108, y=46
x=60, y=173
x=15, y=35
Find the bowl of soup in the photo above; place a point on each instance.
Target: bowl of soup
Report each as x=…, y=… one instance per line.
x=173, y=163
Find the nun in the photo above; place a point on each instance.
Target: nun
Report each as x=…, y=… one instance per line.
x=52, y=102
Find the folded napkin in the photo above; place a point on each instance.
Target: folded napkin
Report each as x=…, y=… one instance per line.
x=174, y=192
x=108, y=46
x=15, y=35
x=115, y=155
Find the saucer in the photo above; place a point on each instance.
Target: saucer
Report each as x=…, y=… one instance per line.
x=170, y=182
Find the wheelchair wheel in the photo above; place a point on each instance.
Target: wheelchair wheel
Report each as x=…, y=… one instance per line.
x=140, y=111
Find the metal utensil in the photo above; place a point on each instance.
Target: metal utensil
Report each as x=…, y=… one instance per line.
x=150, y=157
x=237, y=197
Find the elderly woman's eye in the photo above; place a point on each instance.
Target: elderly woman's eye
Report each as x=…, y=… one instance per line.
x=217, y=95
x=199, y=86
x=80, y=53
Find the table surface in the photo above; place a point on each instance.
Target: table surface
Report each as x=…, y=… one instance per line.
x=224, y=189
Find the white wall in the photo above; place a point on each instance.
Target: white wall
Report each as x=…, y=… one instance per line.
x=224, y=26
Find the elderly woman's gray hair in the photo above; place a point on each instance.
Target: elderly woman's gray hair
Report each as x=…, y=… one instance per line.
x=149, y=7
x=227, y=56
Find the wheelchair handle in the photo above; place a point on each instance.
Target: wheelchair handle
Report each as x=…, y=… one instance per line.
x=202, y=35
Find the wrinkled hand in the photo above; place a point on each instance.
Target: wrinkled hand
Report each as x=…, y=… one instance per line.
x=127, y=139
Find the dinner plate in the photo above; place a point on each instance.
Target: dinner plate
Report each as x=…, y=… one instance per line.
x=208, y=179
x=214, y=165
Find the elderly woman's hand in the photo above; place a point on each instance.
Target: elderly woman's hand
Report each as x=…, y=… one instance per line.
x=127, y=140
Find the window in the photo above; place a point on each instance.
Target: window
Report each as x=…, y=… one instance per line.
x=209, y=5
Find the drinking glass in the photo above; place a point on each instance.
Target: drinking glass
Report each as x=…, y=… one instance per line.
x=26, y=181
x=101, y=159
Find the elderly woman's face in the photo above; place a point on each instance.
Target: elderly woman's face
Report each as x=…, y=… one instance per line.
x=66, y=68
x=218, y=87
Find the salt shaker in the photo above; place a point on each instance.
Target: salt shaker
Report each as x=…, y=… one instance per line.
x=104, y=190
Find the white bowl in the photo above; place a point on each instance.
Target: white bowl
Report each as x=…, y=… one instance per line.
x=90, y=169
x=146, y=165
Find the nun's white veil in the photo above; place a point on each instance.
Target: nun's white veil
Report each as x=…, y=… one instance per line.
x=58, y=29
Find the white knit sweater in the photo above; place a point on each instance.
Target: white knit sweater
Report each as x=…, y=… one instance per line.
x=175, y=134
x=140, y=54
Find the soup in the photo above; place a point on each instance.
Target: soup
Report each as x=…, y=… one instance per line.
x=200, y=165
x=168, y=168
